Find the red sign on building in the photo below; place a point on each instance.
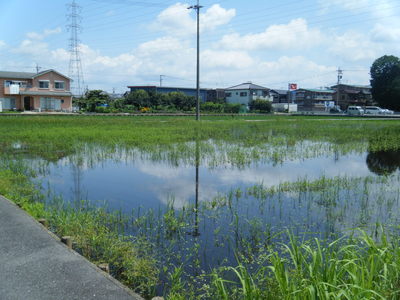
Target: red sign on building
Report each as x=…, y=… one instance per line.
x=292, y=86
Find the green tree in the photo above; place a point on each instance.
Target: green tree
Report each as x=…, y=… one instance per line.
x=138, y=98
x=385, y=81
x=259, y=105
x=92, y=99
x=181, y=101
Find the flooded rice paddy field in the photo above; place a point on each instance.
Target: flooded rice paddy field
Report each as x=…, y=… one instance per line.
x=205, y=208
x=205, y=195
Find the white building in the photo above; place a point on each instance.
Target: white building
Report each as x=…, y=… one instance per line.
x=246, y=92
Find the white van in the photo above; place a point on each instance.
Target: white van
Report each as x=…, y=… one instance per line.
x=355, y=110
x=374, y=110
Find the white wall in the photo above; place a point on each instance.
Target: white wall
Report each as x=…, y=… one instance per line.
x=250, y=95
x=236, y=98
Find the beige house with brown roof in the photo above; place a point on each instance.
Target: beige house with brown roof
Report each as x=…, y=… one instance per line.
x=44, y=91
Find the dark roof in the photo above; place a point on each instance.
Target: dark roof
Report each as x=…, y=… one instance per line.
x=280, y=92
x=247, y=86
x=141, y=86
x=26, y=75
x=318, y=91
x=165, y=87
x=353, y=86
x=349, y=91
x=16, y=75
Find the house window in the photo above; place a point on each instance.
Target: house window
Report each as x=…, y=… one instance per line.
x=50, y=103
x=228, y=94
x=59, y=85
x=243, y=94
x=8, y=103
x=43, y=84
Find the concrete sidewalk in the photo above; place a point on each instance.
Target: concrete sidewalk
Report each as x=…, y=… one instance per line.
x=35, y=265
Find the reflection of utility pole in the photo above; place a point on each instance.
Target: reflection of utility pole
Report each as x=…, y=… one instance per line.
x=339, y=79
x=77, y=177
x=197, y=8
x=196, y=207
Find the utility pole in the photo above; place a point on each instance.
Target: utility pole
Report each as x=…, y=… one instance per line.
x=37, y=68
x=197, y=8
x=161, y=79
x=75, y=64
x=339, y=79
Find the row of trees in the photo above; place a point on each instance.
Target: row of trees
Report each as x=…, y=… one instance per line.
x=140, y=100
x=385, y=81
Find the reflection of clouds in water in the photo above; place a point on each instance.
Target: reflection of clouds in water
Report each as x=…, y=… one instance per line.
x=178, y=184
x=294, y=170
x=162, y=182
x=164, y=171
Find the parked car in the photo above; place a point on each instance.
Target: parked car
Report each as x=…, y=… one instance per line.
x=388, y=111
x=374, y=110
x=335, y=110
x=355, y=110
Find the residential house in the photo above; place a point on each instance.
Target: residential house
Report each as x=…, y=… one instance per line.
x=359, y=95
x=314, y=99
x=246, y=92
x=279, y=96
x=44, y=91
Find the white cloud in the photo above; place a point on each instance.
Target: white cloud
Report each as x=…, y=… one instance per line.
x=226, y=59
x=2, y=44
x=297, y=69
x=382, y=33
x=346, y=4
x=178, y=20
x=32, y=47
x=161, y=45
x=216, y=16
x=354, y=46
x=296, y=34
x=34, y=44
x=44, y=34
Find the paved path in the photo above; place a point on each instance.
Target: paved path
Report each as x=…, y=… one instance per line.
x=34, y=265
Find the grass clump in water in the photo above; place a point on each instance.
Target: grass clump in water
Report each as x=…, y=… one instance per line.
x=353, y=268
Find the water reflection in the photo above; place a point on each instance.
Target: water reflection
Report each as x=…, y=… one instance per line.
x=383, y=162
x=217, y=212
x=196, y=231
x=77, y=188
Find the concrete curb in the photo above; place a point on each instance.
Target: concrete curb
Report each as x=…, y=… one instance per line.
x=100, y=286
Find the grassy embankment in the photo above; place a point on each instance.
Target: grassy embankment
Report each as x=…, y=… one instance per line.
x=353, y=268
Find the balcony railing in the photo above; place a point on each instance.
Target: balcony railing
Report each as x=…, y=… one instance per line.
x=16, y=89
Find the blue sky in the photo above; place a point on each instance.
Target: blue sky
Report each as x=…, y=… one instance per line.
x=271, y=43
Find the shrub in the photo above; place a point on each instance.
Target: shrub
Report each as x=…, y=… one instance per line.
x=259, y=105
x=212, y=107
x=232, y=108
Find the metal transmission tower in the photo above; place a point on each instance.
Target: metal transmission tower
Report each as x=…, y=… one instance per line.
x=75, y=64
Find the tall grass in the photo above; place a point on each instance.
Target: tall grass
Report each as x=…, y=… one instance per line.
x=348, y=268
